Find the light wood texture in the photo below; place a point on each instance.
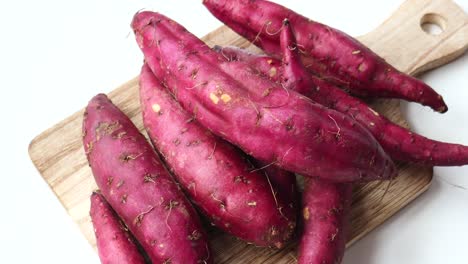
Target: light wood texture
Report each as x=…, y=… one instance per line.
x=58, y=154
x=412, y=50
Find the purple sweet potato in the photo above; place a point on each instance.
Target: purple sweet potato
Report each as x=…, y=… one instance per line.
x=325, y=212
x=399, y=142
x=332, y=54
x=235, y=197
x=308, y=138
x=114, y=242
x=133, y=180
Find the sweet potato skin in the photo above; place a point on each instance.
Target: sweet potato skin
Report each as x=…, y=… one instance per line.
x=133, y=180
x=284, y=185
x=294, y=75
x=400, y=143
x=325, y=213
x=114, y=242
x=310, y=139
x=330, y=53
x=235, y=196
x=264, y=65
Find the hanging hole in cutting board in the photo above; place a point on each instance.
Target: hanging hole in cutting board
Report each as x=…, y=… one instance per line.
x=433, y=24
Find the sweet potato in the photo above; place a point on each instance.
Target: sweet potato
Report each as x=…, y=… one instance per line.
x=332, y=54
x=235, y=197
x=309, y=138
x=114, y=242
x=135, y=183
x=325, y=213
x=399, y=142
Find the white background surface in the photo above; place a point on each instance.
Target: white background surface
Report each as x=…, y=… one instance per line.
x=55, y=55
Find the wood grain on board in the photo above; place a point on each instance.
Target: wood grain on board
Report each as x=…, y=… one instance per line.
x=59, y=157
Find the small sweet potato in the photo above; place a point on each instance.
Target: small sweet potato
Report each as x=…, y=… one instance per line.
x=133, y=180
x=325, y=212
x=114, y=242
x=309, y=138
x=330, y=53
x=218, y=178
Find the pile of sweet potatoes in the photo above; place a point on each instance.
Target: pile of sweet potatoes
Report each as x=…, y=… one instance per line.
x=229, y=130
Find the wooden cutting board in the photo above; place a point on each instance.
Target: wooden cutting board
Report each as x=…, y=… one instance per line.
x=58, y=153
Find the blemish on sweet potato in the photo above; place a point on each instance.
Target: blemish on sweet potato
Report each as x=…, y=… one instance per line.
x=104, y=128
x=306, y=213
x=89, y=146
x=226, y=98
x=194, y=236
x=252, y=203
x=120, y=183
x=123, y=199
x=149, y=177
x=193, y=143
x=110, y=179
x=193, y=74
x=267, y=91
x=156, y=108
x=120, y=135
x=214, y=98
x=273, y=71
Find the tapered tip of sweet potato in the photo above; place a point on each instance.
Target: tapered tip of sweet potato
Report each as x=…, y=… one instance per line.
x=217, y=48
x=143, y=19
x=96, y=199
x=442, y=109
x=98, y=99
x=96, y=193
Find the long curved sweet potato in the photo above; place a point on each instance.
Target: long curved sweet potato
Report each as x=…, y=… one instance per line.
x=235, y=197
x=332, y=54
x=135, y=183
x=309, y=138
x=399, y=142
x=114, y=242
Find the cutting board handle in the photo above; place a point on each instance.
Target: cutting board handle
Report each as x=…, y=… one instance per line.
x=412, y=50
